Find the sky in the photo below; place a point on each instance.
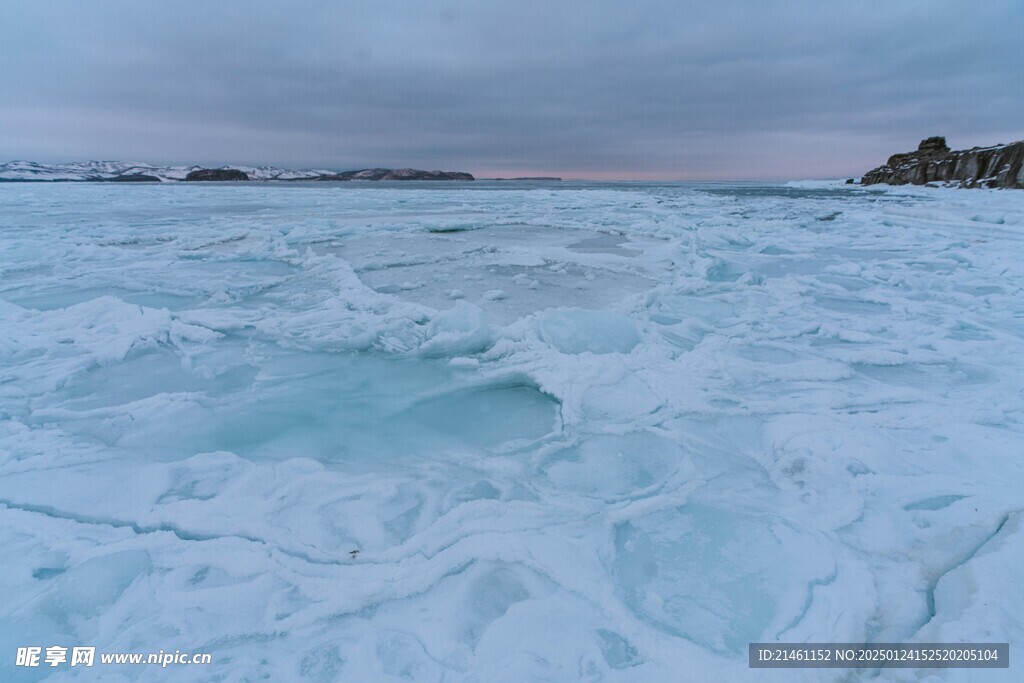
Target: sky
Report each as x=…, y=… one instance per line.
x=711, y=90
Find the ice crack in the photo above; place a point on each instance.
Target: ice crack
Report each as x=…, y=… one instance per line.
x=141, y=529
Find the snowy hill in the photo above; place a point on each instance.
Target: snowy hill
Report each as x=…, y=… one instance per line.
x=114, y=171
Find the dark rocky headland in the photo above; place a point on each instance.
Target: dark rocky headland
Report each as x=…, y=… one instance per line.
x=934, y=162
x=208, y=174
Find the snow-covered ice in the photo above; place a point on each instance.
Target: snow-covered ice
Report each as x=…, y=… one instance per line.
x=600, y=432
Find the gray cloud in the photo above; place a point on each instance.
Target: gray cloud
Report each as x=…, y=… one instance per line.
x=728, y=89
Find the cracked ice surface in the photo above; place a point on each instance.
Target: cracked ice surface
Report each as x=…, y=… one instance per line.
x=578, y=432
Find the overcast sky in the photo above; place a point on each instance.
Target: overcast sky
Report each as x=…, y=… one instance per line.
x=718, y=89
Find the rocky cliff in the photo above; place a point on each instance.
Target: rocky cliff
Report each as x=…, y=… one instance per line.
x=998, y=166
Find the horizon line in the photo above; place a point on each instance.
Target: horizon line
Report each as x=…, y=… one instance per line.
x=489, y=174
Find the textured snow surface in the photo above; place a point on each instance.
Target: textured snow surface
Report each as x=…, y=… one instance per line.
x=585, y=432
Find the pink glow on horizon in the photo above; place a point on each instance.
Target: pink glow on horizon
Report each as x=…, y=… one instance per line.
x=565, y=174
x=615, y=175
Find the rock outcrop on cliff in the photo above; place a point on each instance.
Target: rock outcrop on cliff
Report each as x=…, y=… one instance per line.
x=998, y=166
x=207, y=174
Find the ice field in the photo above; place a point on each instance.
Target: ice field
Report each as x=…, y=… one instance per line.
x=508, y=432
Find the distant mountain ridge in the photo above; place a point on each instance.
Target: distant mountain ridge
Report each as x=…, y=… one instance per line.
x=129, y=171
x=397, y=174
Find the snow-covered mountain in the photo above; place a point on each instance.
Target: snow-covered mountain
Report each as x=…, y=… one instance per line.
x=130, y=170
x=88, y=170
x=125, y=171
